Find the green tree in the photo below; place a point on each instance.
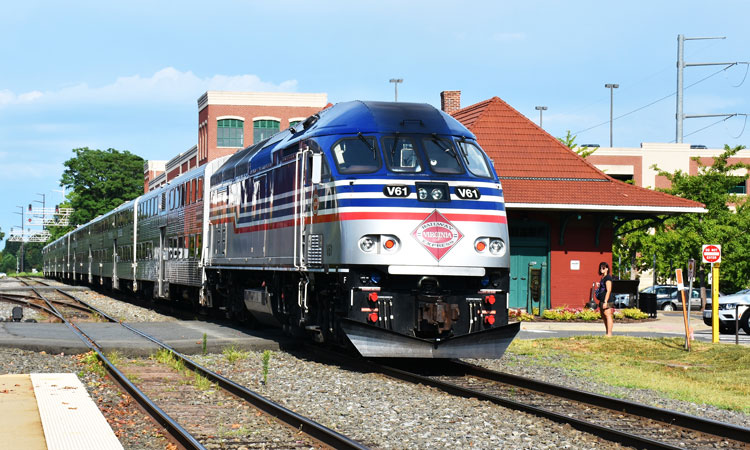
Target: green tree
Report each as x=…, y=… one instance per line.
x=100, y=180
x=570, y=141
x=679, y=238
x=7, y=263
x=32, y=256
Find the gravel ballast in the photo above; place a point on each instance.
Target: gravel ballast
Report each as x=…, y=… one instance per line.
x=375, y=410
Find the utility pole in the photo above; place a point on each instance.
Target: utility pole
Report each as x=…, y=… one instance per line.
x=540, y=109
x=44, y=213
x=395, y=82
x=679, y=116
x=611, y=87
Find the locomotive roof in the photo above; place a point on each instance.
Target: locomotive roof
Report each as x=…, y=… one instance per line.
x=346, y=118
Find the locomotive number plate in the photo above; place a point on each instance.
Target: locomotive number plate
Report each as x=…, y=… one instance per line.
x=396, y=191
x=467, y=193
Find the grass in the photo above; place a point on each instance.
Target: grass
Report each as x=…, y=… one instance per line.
x=233, y=354
x=715, y=374
x=167, y=357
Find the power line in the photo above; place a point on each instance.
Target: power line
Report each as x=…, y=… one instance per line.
x=655, y=101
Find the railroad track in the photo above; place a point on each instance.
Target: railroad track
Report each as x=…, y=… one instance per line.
x=620, y=421
x=185, y=412
x=31, y=281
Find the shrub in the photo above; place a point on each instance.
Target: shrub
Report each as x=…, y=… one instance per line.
x=519, y=315
x=631, y=313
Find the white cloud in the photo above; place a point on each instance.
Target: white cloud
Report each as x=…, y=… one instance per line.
x=166, y=85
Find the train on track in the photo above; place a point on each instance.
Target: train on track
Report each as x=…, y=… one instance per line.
x=378, y=224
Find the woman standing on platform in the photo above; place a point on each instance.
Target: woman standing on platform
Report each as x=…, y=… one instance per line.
x=603, y=294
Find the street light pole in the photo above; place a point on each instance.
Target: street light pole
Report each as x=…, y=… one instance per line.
x=540, y=109
x=611, y=87
x=395, y=82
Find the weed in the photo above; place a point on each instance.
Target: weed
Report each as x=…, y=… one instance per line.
x=205, y=337
x=201, y=382
x=134, y=378
x=266, y=361
x=114, y=357
x=232, y=354
x=92, y=364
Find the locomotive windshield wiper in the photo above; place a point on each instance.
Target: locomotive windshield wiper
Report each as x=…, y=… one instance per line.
x=369, y=145
x=395, y=142
x=448, y=148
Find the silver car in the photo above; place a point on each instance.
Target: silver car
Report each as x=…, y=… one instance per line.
x=674, y=301
x=738, y=302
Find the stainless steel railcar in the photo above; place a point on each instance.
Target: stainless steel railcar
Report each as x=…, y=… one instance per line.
x=379, y=224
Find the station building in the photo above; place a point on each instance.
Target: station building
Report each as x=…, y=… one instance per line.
x=229, y=121
x=563, y=212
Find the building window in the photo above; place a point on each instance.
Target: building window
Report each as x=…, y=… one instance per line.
x=229, y=133
x=294, y=122
x=740, y=188
x=263, y=129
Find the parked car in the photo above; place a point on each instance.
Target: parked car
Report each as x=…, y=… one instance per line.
x=738, y=302
x=624, y=301
x=662, y=291
x=674, y=301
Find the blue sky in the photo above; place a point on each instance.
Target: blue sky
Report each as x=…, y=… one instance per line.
x=127, y=75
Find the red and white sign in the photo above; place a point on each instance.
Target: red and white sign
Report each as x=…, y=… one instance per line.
x=711, y=253
x=437, y=234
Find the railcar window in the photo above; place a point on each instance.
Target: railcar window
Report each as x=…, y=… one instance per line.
x=400, y=154
x=357, y=155
x=475, y=160
x=442, y=155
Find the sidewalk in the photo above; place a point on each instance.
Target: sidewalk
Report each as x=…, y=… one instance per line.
x=666, y=323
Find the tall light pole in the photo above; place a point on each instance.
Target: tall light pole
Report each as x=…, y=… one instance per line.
x=395, y=82
x=540, y=109
x=611, y=87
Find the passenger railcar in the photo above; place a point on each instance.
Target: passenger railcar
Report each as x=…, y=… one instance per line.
x=379, y=224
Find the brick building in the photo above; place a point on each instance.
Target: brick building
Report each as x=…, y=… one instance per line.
x=229, y=121
x=636, y=163
x=563, y=212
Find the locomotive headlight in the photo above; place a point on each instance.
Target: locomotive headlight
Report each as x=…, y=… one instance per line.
x=497, y=247
x=367, y=244
x=437, y=194
x=422, y=193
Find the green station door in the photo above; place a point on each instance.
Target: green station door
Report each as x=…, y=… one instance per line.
x=529, y=244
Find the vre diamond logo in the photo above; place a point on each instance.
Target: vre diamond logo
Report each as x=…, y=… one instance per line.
x=437, y=234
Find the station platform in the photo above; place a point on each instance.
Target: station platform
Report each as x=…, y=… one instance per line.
x=51, y=411
x=184, y=336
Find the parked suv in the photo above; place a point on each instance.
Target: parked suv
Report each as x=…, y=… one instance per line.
x=728, y=304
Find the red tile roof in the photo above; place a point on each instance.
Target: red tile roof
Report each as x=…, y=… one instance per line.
x=537, y=169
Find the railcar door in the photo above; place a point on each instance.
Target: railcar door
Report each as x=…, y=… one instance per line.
x=162, y=256
x=115, y=260
x=307, y=246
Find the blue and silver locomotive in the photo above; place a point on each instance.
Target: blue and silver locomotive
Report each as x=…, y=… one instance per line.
x=377, y=224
